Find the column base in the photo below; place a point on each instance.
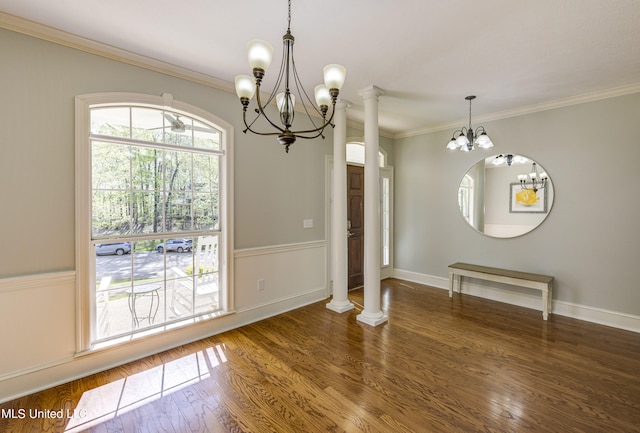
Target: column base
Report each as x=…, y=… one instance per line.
x=340, y=307
x=372, y=319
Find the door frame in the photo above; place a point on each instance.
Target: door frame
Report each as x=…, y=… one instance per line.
x=386, y=271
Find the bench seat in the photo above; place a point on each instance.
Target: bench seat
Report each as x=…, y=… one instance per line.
x=540, y=282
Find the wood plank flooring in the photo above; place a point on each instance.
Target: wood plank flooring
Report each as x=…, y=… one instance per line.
x=438, y=365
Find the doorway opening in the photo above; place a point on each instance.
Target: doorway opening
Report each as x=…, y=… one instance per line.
x=355, y=214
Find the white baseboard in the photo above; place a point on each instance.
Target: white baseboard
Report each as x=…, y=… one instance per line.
x=600, y=316
x=427, y=280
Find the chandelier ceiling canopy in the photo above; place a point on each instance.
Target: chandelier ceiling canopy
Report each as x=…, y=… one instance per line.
x=260, y=56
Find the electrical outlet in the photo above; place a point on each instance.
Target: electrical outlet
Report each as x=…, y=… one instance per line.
x=260, y=284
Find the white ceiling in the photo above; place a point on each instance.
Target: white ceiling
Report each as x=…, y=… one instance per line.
x=427, y=55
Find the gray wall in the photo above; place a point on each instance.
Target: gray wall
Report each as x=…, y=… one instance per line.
x=590, y=239
x=590, y=150
x=274, y=191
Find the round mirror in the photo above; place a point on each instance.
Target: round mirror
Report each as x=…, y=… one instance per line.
x=505, y=195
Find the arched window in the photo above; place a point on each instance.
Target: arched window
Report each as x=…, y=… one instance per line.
x=152, y=182
x=355, y=154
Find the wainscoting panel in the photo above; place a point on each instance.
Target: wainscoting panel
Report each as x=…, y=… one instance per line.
x=272, y=274
x=37, y=315
x=37, y=318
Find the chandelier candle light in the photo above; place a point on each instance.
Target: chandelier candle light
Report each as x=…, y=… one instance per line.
x=260, y=56
x=467, y=137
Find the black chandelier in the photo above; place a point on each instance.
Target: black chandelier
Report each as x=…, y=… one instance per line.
x=533, y=180
x=260, y=56
x=467, y=137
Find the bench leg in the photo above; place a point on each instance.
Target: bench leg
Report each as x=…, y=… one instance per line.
x=545, y=304
x=454, y=283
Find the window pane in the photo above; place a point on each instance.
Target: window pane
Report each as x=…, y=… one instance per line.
x=207, y=277
x=178, y=130
x=179, y=138
x=113, y=278
x=205, y=211
x=110, y=166
x=113, y=316
x=180, y=295
x=206, y=137
x=178, y=212
x=112, y=121
x=386, y=221
x=206, y=173
x=147, y=124
x=147, y=297
x=146, y=167
x=111, y=213
x=355, y=153
x=179, y=171
x=146, y=214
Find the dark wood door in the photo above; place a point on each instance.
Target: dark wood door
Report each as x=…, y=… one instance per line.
x=355, y=216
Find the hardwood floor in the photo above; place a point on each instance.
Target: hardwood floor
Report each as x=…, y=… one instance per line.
x=438, y=365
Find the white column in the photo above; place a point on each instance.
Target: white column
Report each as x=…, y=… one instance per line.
x=372, y=314
x=340, y=301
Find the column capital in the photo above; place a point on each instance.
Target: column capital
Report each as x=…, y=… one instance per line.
x=370, y=92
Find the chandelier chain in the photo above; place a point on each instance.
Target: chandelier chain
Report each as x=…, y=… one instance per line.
x=289, y=20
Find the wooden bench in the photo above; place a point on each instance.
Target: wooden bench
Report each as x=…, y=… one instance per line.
x=532, y=281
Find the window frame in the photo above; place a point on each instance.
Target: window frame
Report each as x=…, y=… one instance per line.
x=85, y=271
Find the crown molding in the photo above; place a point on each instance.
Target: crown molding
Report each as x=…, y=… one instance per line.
x=558, y=103
x=50, y=34
x=41, y=31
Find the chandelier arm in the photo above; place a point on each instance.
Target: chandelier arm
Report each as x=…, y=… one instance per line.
x=301, y=90
x=274, y=91
x=281, y=74
x=461, y=131
x=316, y=127
x=319, y=134
x=258, y=110
x=260, y=107
x=319, y=129
x=244, y=118
x=249, y=125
